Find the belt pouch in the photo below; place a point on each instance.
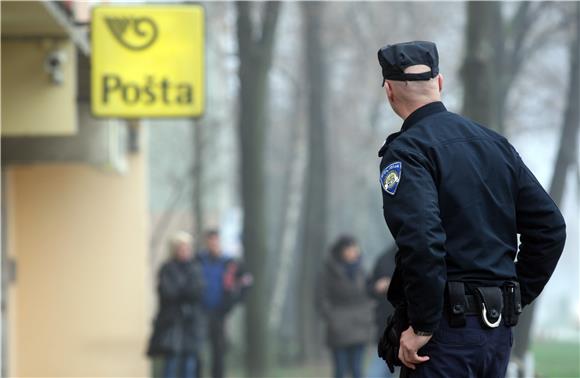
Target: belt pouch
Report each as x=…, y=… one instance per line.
x=491, y=305
x=457, y=305
x=513, y=302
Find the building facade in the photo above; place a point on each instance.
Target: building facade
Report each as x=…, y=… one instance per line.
x=75, y=278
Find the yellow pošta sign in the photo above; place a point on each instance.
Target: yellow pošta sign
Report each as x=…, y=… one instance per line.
x=148, y=61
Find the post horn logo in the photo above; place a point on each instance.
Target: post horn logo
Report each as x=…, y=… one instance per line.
x=135, y=33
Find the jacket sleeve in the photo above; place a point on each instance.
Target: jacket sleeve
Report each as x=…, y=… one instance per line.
x=169, y=285
x=241, y=272
x=193, y=286
x=234, y=291
x=542, y=235
x=413, y=217
x=371, y=282
x=379, y=271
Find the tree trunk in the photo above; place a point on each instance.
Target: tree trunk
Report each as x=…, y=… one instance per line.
x=568, y=150
x=489, y=71
x=197, y=200
x=255, y=55
x=294, y=194
x=315, y=232
x=566, y=158
x=483, y=100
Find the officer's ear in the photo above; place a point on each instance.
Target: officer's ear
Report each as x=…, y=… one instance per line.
x=440, y=82
x=389, y=91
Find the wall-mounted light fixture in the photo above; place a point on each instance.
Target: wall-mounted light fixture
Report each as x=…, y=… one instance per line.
x=54, y=65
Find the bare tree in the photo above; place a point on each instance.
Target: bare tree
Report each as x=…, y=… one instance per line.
x=567, y=158
x=289, y=235
x=255, y=53
x=163, y=224
x=292, y=203
x=495, y=51
x=484, y=48
x=197, y=173
x=316, y=177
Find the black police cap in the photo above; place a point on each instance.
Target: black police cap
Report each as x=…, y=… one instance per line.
x=394, y=59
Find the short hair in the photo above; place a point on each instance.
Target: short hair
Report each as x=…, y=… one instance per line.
x=178, y=238
x=343, y=242
x=211, y=233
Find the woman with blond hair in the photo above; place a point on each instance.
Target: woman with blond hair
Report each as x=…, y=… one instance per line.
x=176, y=334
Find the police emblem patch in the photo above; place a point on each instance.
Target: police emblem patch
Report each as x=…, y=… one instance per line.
x=390, y=177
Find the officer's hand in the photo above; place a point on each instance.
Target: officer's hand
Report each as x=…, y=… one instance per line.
x=409, y=345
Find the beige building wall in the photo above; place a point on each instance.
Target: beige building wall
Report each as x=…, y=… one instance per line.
x=79, y=305
x=27, y=90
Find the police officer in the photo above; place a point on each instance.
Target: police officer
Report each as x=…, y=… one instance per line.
x=455, y=196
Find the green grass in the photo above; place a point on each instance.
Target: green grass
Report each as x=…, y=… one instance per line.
x=320, y=369
x=553, y=360
x=557, y=359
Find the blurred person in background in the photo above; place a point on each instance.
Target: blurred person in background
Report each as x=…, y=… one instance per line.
x=226, y=283
x=177, y=327
x=345, y=307
x=377, y=287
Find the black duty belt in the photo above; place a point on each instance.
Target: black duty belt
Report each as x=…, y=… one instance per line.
x=490, y=302
x=471, y=305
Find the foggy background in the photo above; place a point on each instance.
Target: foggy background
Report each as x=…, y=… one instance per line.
x=282, y=162
x=507, y=65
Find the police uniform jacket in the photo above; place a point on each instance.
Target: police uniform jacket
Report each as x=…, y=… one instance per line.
x=455, y=197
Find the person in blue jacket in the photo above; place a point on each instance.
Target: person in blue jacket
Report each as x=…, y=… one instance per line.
x=225, y=285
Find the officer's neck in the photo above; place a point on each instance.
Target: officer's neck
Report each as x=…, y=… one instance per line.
x=407, y=109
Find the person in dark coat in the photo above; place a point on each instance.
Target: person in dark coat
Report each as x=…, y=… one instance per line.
x=377, y=286
x=345, y=307
x=177, y=330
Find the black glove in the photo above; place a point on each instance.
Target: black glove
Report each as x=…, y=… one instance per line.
x=388, y=347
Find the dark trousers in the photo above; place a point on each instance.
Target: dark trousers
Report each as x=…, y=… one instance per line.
x=180, y=366
x=470, y=351
x=348, y=359
x=217, y=342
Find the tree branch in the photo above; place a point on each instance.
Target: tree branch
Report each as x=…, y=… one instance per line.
x=544, y=37
x=523, y=47
x=244, y=27
x=518, y=28
x=266, y=43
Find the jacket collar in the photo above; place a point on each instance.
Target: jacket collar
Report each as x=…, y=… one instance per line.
x=419, y=114
x=423, y=112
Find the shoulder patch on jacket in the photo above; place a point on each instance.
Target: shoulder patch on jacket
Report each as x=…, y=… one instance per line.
x=390, y=177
